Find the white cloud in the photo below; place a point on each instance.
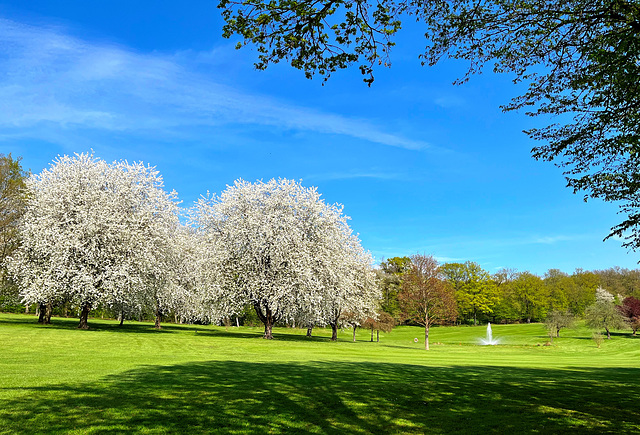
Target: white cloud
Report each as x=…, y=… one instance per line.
x=449, y=102
x=449, y=259
x=378, y=175
x=50, y=80
x=550, y=240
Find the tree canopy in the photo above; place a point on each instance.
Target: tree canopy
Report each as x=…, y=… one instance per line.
x=578, y=58
x=604, y=315
x=630, y=309
x=287, y=253
x=94, y=233
x=390, y=279
x=426, y=297
x=476, y=292
x=12, y=206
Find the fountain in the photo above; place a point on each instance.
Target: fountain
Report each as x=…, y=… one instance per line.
x=489, y=340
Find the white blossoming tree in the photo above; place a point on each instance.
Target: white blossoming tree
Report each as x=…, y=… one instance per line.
x=193, y=278
x=349, y=293
x=94, y=233
x=278, y=246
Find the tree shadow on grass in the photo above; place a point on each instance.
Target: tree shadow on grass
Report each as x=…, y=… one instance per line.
x=278, y=335
x=626, y=334
x=95, y=324
x=70, y=323
x=332, y=397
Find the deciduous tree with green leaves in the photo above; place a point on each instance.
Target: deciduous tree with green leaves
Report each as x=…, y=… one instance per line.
x=556, y=320
x=476, y=292
x=604, y=315
x=557, y=284
x=390, y=278
x=578, y=59
x=583, y=293
x=12, y=207
x=528, y=295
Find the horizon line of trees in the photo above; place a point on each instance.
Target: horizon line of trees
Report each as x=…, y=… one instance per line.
x=471, y=295
x=511, y=296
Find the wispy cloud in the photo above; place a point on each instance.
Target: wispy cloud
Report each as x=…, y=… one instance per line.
x=449, y=259
x=373, y=174
x=524, y=240
x=449, y=101
x=49, y=80
x=550, y=240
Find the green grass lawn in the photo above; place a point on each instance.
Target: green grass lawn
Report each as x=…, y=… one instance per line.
x=198, y=379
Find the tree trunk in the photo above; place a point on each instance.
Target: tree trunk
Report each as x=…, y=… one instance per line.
x=334, y=331
x=42, y=308
x=475, y=321
x=158, y=315
x=237, y=322
x=354, y=332
x=426, y=331
x=426, y=337
x=121, y=317
x=310, y=330
x=26, y=309
x=372, y=334
x=378, y=336
x=268, y=331
x=608, y=333
x=268, y=318
x=558, y=333
x=84, y=316
x=48, y=311
x=158, y=319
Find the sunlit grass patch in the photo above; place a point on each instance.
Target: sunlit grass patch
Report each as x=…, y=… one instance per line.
x=228, y=380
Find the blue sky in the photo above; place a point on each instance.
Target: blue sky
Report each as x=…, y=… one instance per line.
x=419, y=164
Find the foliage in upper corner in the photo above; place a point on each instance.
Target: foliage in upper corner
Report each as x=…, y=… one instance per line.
x=315, y=37
x=579, y=59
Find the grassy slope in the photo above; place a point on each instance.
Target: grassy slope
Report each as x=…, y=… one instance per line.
x=199, y=379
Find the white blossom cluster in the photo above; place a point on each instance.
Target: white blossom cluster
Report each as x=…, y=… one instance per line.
x=100, y=234
x=603, y=295
x=95, y=233
x=280, y=248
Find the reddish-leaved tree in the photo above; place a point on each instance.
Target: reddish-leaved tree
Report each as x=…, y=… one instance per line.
x=384, y=321
x=426, y=298
x=630, y=309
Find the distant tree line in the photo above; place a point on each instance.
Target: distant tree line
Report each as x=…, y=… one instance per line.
x=608, y=298
x=509, y=296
